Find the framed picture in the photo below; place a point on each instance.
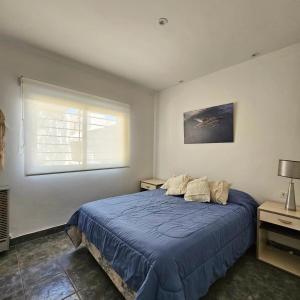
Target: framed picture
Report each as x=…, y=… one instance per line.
x=209, y=125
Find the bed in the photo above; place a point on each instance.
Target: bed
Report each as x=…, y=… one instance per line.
x=162, y=247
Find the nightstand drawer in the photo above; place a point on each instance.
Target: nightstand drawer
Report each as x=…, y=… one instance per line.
x=147, y=186
x=280, y=220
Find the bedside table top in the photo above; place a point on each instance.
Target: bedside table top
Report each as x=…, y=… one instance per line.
x=278, y=208
x=154, y=181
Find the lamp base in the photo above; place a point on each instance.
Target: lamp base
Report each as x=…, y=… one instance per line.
x=290, y=203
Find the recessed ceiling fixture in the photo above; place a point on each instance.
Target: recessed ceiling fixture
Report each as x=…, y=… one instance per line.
x=255, y=54
x=163, y=21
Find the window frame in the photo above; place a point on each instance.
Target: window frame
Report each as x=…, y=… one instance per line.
x=89, y=100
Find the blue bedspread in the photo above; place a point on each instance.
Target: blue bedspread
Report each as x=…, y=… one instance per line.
x=165, y=248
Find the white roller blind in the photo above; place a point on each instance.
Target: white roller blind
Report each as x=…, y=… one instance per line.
x=66, y=131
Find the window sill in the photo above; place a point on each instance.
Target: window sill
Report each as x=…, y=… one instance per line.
x=75, y=171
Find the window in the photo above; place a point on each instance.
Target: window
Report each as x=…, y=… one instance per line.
x=67, y=131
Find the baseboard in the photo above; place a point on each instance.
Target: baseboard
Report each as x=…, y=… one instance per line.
x=35, y=235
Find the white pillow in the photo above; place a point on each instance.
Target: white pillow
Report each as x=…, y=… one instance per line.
x=176, y=185
x=166, y=184
x=198, y=190
x=219, y=191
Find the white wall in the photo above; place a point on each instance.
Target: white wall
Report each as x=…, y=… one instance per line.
x=266, y=91
x=40, y=202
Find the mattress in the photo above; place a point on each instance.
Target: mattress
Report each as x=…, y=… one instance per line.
x=164, y=247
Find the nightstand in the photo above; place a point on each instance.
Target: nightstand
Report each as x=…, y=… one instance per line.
x=278, y=236
x=151, y=184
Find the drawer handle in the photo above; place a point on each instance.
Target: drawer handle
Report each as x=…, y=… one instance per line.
x=285, y=221
x=146, y=186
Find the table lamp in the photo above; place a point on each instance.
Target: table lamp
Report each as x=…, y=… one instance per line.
x=290, y=169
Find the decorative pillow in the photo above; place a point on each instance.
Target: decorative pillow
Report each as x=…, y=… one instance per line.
x=219, y=191
x=198, y=190
x=176, y=185
x=166, y=184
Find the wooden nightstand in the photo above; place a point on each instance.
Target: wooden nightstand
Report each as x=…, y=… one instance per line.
x=151, y=184
x=278, y=236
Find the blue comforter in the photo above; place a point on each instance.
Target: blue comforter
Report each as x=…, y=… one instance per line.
x=165, y=248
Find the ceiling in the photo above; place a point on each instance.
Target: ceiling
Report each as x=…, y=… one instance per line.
x=123, y=36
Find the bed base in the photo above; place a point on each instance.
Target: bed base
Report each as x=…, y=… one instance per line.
x=77, y=238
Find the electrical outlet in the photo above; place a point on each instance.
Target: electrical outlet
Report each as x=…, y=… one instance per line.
x=283, y=195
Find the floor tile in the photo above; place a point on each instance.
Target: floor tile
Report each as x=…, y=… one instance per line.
x=60, y=243
x=58, y=236
x=43, y=249
x=10, y=284
x=32, y=244
x=89, y=277
x=40, y=272
x=9, y=262
x=15, y=296
x=33, y=258
x=54, y=288
x=100, y=294
x=72, y=297
x=78, y=259
x=251, y=279
x=85, y=272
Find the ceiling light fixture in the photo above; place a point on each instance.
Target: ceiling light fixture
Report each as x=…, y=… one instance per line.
x=180, y=81
x=163, y=21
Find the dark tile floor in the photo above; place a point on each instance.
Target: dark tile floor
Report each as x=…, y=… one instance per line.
x=50, y=268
